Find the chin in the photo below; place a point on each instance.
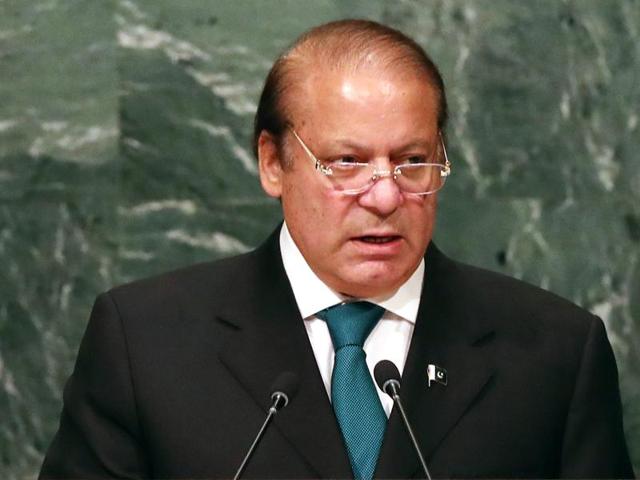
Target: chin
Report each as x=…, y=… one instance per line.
x=374, y=283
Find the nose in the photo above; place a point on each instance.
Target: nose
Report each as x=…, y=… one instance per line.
x=383, y=197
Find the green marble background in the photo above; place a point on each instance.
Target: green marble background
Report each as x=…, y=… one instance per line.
x=124, y=151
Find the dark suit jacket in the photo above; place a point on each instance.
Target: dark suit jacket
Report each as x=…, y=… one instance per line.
x=173, y=379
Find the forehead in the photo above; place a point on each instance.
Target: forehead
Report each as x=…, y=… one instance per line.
x=365, y=103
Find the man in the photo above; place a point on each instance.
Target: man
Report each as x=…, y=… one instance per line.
x=173, y=376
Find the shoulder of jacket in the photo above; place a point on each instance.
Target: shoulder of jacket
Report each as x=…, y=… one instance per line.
x=515, y=302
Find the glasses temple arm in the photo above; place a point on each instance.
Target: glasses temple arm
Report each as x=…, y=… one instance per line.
x=447, y=163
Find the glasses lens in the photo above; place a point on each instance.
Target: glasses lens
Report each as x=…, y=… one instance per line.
x=420, y=178
x=350, y=176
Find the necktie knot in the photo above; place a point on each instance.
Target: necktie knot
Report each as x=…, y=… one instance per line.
x=351, y=323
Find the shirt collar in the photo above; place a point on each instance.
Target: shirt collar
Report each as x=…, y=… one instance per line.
x=313, y=295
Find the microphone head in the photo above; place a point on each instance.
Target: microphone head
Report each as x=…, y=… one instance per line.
x=286, y=386
x=386, y=374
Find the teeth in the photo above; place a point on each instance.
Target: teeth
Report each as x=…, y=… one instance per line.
x=377, y=239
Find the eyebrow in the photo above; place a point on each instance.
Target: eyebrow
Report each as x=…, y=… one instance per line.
x=348, y=143
x=417, y=144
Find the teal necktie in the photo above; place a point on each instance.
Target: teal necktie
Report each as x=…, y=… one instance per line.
x=355, y=400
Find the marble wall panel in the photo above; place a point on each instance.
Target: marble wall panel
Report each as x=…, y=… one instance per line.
x=58, y=171
x=125, y=151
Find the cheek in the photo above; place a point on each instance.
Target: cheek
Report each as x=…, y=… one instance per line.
x=422, y=220
x=303, y=211
x=317, y=217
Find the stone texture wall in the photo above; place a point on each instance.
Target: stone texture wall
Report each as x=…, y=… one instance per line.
x=124, y=151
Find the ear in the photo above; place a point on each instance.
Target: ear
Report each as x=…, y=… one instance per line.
x=269, y=165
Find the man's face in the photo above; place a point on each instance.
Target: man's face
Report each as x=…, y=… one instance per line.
x=368, y=244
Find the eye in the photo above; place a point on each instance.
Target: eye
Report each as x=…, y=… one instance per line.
x=345, y=162
x=346, y=159
x=412, y=160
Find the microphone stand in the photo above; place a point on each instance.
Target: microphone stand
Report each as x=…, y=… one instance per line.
x=392, y=388
x=279, y=400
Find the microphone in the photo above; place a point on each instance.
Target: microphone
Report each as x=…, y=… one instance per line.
x=388, y=379
x=283, y=390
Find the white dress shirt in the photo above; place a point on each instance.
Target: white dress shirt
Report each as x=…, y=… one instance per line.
x=389, y=339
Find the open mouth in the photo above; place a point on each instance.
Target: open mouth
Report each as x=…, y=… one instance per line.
x=378, y=240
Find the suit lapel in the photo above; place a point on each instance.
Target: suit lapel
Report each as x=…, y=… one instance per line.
x=447, y=334
x=267, y=338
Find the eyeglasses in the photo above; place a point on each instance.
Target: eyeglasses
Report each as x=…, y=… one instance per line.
x=412, y=175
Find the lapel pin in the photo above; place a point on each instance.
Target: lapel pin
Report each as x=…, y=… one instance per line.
x=436, y=374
